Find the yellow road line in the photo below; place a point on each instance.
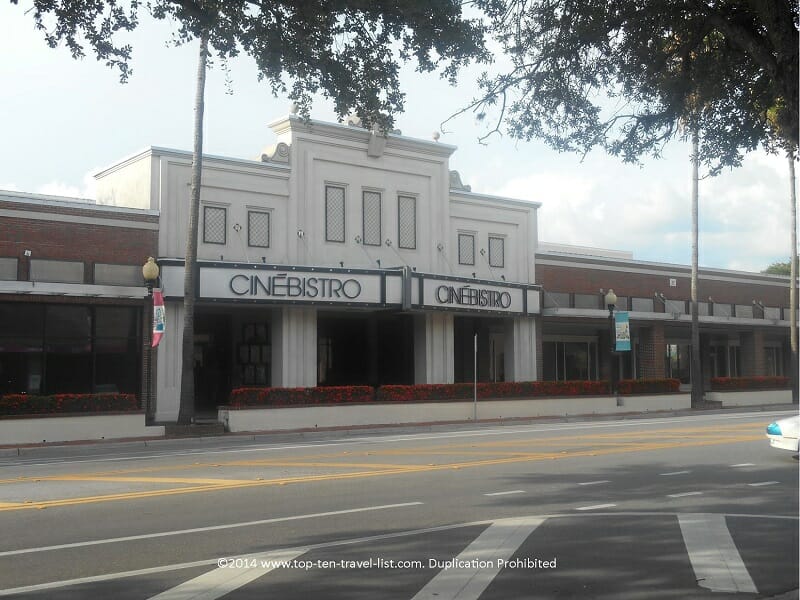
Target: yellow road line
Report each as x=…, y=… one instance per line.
x=187, y=480
x=393, y=470
x=471, y=448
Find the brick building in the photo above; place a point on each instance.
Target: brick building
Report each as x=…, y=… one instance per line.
x=339, y=256
x=743, y=317
x=71, y=294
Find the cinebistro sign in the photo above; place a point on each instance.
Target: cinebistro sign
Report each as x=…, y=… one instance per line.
x=284, y=285
x=460, y=294
x=402, y=289
x=472, y=297
x=300, y=285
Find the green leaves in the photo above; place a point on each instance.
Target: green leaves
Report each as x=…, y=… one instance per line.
x=347, y=50
x=628, y=76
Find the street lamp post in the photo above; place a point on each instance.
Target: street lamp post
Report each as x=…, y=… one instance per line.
x=611, y=302
x=150, y=273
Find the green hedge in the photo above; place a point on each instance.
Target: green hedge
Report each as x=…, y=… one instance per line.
x=28, y=404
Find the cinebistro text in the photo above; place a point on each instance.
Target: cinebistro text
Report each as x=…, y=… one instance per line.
x=290, y=286
x=470, y=296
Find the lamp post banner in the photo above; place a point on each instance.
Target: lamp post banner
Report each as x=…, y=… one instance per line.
x=622, y=332
x=159, y=317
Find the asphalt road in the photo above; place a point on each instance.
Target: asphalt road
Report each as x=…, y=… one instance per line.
x=680, y=507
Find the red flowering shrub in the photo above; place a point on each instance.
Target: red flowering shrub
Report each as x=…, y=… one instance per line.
x=504, y=389
x=740, y=384
x=648, y=386
x=27, y=404
x=347, y=394
x=254, y=396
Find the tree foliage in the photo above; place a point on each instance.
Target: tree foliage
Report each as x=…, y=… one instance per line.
x=627, y=75
x=779, y=268
x=347, y=50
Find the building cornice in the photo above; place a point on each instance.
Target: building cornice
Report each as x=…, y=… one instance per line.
x=653, y=268
x=474, y=197
x=294, y=125
x=27, y=203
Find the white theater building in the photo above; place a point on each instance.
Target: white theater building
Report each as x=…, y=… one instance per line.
x=338, y=257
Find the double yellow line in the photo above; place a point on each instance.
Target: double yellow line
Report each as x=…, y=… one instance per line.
x=499, y=453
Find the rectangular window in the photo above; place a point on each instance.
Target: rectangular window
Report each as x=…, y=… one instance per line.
x=466, y=249
x=257, y=229
x=773, y=361
x=642, y=305
x=497, y=251
x=69, y=348
x=214, y=225
x=567, y=361
x=334, y=213
x=407, y=222
x=371, y=218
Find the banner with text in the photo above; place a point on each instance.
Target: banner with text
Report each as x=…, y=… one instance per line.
x=622, y=332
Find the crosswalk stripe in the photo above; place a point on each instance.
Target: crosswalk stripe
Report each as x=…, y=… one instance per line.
x=715, y=559
x=481, y=561
x=224, y=580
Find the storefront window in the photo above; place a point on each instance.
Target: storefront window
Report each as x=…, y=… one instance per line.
x=52, y=349
x=773, y=361
x=677, y=362
x=570, y=360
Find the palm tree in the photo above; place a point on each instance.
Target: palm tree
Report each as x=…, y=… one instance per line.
x=696, y=369
x=186, y=410
x=793, y=280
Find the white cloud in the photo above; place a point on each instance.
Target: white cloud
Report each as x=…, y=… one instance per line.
x=58, y=188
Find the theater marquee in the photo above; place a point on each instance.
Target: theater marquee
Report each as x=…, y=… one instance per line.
x=459, y=294
x=327, y=286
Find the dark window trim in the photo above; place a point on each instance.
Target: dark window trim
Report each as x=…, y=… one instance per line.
x=502, y=240
x=414, y=208
x=344, y=214
x=460, y=261
x=224, y=227
x=363, y=215
x=269, y=228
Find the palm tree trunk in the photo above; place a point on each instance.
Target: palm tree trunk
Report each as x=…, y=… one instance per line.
x=186, y=411
x=696, y=369
x=793, y=283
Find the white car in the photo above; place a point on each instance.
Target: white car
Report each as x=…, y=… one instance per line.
x=783, y=433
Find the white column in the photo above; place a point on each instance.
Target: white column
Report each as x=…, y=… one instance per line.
x=520, y=350
x=433, y=348
x=294, y=347
x=169, y=359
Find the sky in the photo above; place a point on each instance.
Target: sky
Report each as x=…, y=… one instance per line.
x=62, y=120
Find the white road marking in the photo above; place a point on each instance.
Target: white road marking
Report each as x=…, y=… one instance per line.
x=209, y=562
x=674, y=473
x=214, y=561
x=715, y=559
x=222, y=580
x=498, y=542
x=595, y=482
x=595, y=507
x=762, y=483
x=209, y=528
x=505, y=493
x=684, y=494
x=742, y=465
